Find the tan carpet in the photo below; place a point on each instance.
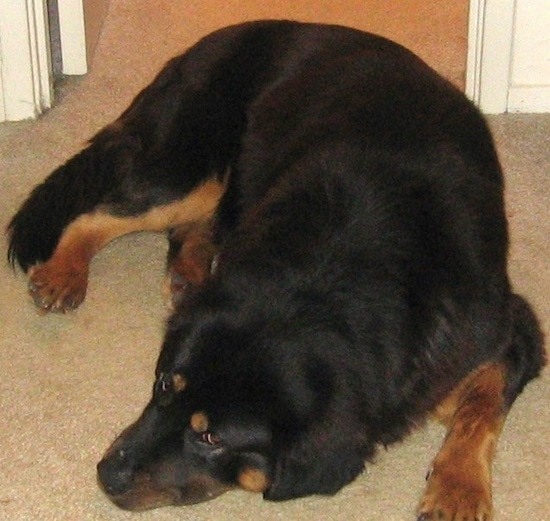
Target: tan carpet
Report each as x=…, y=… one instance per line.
x=68, y=384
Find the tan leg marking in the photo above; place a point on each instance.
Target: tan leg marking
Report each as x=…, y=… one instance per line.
x=459, y=484
x=60, y=283
x=191, y=264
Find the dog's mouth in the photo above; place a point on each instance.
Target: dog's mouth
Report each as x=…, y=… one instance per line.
x=162, y=484
x=145, y=494
x=176, y=472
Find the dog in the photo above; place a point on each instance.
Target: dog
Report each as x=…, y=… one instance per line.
x=338, y=259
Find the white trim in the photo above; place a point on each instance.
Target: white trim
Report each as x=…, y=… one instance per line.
x=2, y=99
x=529, y=98
x=491, y=29
x=73, y=36
x=25, y=71
x=40, y=40
x=475, y=44
x=2, y=107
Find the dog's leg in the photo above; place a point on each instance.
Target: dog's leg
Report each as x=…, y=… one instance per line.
x=459, y=482
x=60, y=283
x=191, y=258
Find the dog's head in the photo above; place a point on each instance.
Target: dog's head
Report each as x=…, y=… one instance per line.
x=234, y=406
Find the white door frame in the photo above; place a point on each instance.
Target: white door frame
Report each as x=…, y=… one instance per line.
x=490, y=40
x=72, y=33
x=25, y=69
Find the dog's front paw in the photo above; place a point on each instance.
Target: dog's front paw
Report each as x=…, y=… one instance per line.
x=456, y=493
x=57, y=289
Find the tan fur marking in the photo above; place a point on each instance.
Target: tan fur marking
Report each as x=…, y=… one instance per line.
x=191, y=265
x=459, y=486
x=94, y=230
x=253, y=480
x=179, y=382
x=194, y=259
x=199, y=422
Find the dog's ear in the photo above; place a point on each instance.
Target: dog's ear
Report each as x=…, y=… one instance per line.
x=318, y=462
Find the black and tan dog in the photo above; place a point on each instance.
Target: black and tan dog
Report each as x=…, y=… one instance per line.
x=353, y=202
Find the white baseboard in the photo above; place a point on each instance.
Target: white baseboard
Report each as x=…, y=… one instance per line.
x=529, y=99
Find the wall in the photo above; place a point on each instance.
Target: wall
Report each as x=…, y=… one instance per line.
x=94, y=14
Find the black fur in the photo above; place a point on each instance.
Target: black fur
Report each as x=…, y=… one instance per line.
x=363, y=249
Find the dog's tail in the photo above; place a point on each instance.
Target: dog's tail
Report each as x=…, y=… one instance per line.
x=526, y=355
x=71, y=190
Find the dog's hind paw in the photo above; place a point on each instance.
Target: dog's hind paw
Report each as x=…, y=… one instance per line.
x=56, y=289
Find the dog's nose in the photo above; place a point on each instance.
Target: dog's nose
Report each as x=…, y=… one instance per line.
x=115, y=472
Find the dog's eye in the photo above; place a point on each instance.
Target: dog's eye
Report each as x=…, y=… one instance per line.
x=210, y=438
x=162, y=385
x=163, y=391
